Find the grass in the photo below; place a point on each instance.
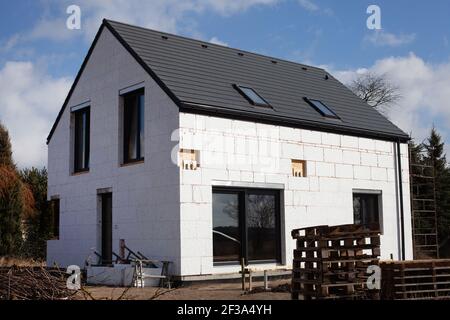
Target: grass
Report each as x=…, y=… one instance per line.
x=20, y=262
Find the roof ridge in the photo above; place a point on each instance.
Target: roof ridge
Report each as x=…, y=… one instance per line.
x=214, y=44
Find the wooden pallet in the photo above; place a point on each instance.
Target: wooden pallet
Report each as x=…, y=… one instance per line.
x=413, y=280
x=331, y=262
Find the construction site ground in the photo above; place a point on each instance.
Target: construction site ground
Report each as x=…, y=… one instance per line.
x=191, y=291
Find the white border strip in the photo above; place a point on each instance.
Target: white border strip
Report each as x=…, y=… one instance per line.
x=80, y=106
x=239, y=184
x=134, y=87
x=368, y=191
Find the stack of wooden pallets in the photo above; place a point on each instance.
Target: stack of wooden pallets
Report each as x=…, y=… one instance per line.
x=414, y=280
x=331, y=262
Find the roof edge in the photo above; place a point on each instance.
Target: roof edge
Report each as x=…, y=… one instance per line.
x=218, y=45
x=105, y=24
x=75, y=82
x=289, y=122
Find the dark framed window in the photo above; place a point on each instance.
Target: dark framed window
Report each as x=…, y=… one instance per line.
x=323, y=109
x=55, y=207
x=82, y=139
x=252, y=96
x=133, y=126
x=366, y=209
x=246, y=224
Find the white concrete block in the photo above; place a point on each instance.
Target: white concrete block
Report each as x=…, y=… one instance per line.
x=288, y=198
x=344, y=171
x=290, y=134
x=360, y=172
x=218, y=124
x=313, y=153
x=333, y=155
x=391, y=176
x=314, y=184
x=296, y=183
x=247, y=176
x=202, y=194
x=266, y=131
x=234, y=175
x=259, y=177
x=367, y=144
x=379, y=174
x=331, y=139
x=324, y=169
x=386, y=161
x=292, y=151
x=369, y=159
x=310, y=168
x=191, y=176
x=210, y=174
x=349, y=142
x=276, y=178
x=185, y=193
x=244, y=128
x=383, y=146
x=311, y=137
x=351, y=157
x=187, y=120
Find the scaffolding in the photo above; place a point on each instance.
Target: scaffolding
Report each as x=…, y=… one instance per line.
x=423, y=208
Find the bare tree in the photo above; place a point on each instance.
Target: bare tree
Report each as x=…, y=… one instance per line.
x=376, y=90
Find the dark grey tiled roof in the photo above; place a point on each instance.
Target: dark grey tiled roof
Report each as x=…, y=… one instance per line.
x=199, y=77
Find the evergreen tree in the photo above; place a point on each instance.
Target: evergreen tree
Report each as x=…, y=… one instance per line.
x=38, y=225
x=5, y=148
x=416, y=152
x=11, y=208
x=435, y=156
x=16, y=200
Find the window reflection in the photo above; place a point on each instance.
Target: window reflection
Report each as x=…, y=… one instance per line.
x=226, y=239
x=261, y=227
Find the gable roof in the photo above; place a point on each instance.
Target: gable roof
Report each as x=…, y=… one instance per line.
x=200, y=77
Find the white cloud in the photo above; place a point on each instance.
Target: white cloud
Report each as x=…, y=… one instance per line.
x=312, y=6
x=31, y=99
x=308, y=5
x=164, y=15
x=51, y=29
x=382, y=38
x=425, y=90
x=30, y=102
x=216, y=40
x=10, y=43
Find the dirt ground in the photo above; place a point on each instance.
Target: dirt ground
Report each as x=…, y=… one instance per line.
x=193, y=291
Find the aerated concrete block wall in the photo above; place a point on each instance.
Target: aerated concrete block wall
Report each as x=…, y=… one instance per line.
x=260, y=155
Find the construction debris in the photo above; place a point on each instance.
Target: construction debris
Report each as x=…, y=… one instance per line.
x=418, y=279
x=331, y=262
x=34, y=283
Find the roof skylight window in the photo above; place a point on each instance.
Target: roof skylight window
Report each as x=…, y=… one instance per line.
x=322, y=108
x=251, y=96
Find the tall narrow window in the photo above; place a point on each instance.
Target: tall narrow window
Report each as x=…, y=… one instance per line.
x=134, y=125
x=366, y=209
x=82, y=139
x=54, y=205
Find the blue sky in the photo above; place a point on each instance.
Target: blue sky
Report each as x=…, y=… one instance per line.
x=37, y=50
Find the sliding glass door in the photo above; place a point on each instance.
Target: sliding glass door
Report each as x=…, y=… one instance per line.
x=246, y=224
x=226, y=233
